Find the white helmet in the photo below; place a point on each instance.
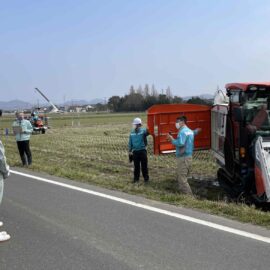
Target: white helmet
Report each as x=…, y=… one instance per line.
x=137, y=121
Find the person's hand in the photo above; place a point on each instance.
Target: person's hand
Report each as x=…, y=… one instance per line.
x=7, y=174
x=130, y=156
x=169, y=137
x=198, y=130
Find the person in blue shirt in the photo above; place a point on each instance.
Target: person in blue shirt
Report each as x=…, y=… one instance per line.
x=184, y=144
x=23, y=129
x=137, y=148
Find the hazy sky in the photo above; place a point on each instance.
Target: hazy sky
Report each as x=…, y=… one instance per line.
x=87, y=49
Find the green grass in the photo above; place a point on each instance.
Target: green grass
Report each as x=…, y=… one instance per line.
x=92, y=148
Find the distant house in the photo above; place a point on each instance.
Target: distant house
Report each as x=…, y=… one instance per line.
x=75, y=108
x=88, y=108
x=79, y=109
x=62, y=108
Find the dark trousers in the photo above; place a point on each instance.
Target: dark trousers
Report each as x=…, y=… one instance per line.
x=25, y=152
x=140, y=159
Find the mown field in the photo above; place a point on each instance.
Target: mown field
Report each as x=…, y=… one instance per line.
x=92, y=148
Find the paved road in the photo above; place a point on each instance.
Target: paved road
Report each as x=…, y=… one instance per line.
x=53, y=227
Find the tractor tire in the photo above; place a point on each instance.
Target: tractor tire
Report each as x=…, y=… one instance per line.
x=228, y=185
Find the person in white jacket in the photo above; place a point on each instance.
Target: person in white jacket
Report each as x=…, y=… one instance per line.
x=23, y=129
x=4, y=173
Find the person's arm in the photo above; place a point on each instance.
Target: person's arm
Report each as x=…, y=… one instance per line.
x=197, y=131
x=145, y=134
x=4, y=168
x=130, y=144
x=29, y=128
x=13, y=125
x=180, y=141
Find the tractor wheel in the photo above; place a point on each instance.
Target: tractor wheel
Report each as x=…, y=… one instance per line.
x=226, y=183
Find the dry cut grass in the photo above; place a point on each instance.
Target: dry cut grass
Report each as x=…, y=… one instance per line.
x=93, y=149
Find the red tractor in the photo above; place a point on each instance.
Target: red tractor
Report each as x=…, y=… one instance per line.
x=39, y=122
x=240, y=138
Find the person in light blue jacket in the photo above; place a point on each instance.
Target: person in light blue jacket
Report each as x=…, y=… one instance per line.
x=184, y=144
x=23, y=129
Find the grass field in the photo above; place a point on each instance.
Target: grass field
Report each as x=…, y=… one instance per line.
x=92, y=148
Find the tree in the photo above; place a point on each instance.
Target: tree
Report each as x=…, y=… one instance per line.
x=142, y=99
x=114, y=103
x=177, y=100
x=133, y=102
x=139, y=90
x=154, y=92
x=101, y=107
x=131, y=90
x=169, y=93
x=150, y=101
x=197, y=100
x=163, y=99
x=146, y=91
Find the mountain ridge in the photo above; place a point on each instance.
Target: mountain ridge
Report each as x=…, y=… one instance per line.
x=17, y=104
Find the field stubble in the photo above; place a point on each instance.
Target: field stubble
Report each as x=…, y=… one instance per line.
x=94, y=150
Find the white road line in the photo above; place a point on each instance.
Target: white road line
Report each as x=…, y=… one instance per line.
x=153, y=209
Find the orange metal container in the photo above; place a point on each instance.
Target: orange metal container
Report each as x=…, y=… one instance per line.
x=161, y=121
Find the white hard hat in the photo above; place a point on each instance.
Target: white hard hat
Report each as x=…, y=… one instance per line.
x=137, y=121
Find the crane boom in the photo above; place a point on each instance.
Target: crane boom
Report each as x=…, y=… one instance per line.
x=55, y=109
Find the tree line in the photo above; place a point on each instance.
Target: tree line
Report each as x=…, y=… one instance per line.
x=143, y=98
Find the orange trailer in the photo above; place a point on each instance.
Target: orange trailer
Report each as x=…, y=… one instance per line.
x=161, y=120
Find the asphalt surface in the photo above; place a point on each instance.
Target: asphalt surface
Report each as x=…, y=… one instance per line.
x=53, y=227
